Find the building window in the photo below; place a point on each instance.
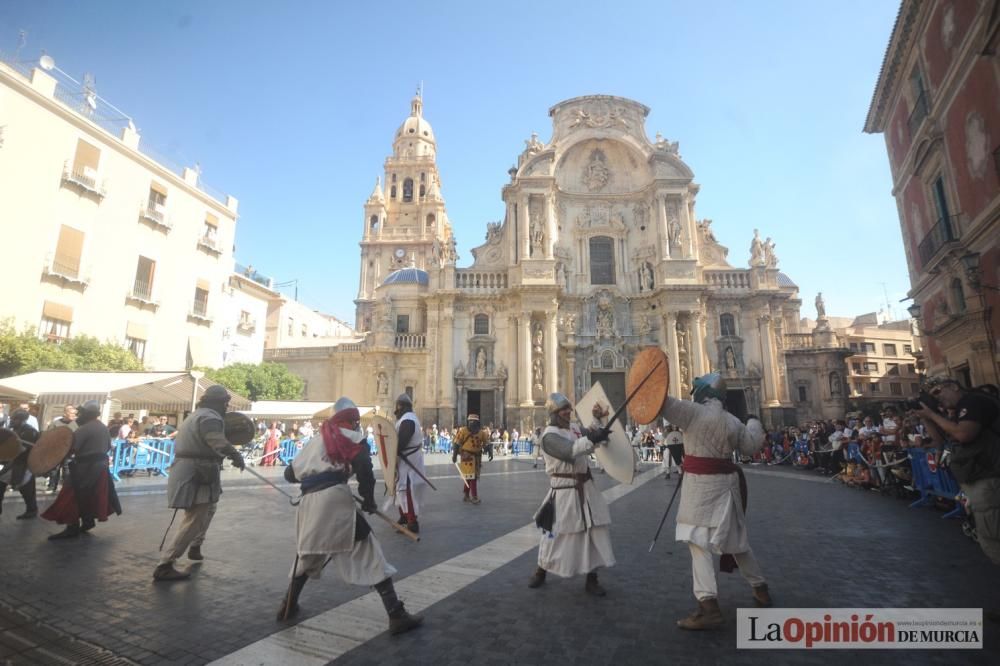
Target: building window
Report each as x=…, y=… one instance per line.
x=875, y=388
x=888, y=350
x=423, y=177
x=402, y=323
x=210, y=232
x=142, y=287
x=854, y=347
x=895, y=388
x=908, y=349
x=69, y=249
x=727, y=324
x=136, y=346
x=305, y=330
x=602, y=260
x=867, y=347
x=85, y=164
x=393, y=178
x=56, y=322
x=430, y=221
x=423, y=191
x=156, y=204
x=481, y=325
x=408, y=190
x=892, y=369
x=200, y=306
x=911, y=369
x=856, y=367
x=373, y=222
x=858, y=388
x=392, y=190
x=803, y=394
x=920, y=102
x=958, y=295
x=871, y=368
x=291, y=327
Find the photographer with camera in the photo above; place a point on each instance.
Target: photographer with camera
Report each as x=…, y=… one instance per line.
x=975, y=460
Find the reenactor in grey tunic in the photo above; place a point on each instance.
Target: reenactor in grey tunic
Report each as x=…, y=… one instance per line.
x=194, y=484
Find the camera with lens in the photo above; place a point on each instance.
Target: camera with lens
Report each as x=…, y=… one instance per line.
x=913, y=404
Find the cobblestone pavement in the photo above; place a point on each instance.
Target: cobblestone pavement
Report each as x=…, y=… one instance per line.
x=92, y=600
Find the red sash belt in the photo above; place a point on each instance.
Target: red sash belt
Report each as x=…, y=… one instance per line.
x=699, y=465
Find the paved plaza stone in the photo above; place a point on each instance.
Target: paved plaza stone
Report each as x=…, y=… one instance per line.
x=92, y=600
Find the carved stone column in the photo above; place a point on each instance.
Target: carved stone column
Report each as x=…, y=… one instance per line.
x=769, y=371
x=550, y=225
x=569, y=387
x=524, y=359
x=551, y=354
x=670, y=334
x=698, y=344
x=661, y=214
x=513, y=367
x=447, y=383
x=525, y=226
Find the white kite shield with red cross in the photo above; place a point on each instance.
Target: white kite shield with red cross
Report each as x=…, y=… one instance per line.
x=387, y=444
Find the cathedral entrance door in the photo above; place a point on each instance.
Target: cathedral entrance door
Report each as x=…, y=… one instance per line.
x=736, y=404
x=614, y=387
x=481, y=402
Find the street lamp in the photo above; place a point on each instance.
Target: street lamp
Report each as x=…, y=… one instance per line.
x=915, y=310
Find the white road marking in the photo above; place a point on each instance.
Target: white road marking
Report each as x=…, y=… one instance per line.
x=325, y=637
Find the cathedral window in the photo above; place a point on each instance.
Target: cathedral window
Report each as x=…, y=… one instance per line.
x=423, y=190
x=402, y=323
x=392, y=192
x=607, y=361
x=394, y=178
x=602, y=260
x=373, y=222
x=727, y=325
x=481, y=324
x=423, y=177
x=430, y=221
x=408, y=190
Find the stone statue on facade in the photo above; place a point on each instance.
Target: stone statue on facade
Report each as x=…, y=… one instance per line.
x=730, y=359
x=605, y=318
x=756, y=250
x=648, y=275
x=538, y=372
x=834, y=384
x=665, y=146
x=481, y=363
x=596, y=174
x=382, y=384
x=674, y=232
x=533, y=146
x=502, y=371
x=770, y=258
x=820, y=306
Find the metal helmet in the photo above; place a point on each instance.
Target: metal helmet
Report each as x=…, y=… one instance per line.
x=91, y=408
x=709, y=386
x=473, y=424
x=556, y=402
x=342, y=404
x=405, y=399
x=216, y=393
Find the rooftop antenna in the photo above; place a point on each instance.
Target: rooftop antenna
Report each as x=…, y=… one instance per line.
x=89, y=93
x=22, y=39
x=888, y=306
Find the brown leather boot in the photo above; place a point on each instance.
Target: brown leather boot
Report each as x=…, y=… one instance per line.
x=761, y=596
x=593, y=587
x=194, y=553
x=166, y=572
x=537, y=578
x=401, y=621
x=707, y=616
x=290, y=604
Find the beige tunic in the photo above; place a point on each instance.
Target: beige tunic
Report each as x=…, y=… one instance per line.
x=325, y=521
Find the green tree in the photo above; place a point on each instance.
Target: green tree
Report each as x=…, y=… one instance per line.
x=23, y=352
x=264, y=381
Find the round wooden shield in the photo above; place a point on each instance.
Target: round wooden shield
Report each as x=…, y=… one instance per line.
x=651, y=365
x=239, y=428
x=10, y=445
x=50, y=450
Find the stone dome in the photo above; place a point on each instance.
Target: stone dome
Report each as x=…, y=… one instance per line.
x=415, y=126
x=407, y=276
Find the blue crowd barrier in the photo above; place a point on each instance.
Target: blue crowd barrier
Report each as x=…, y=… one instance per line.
x=931, y=484
x=147, y=454
x=444, y=444
x=289, y=448
x=522, y=447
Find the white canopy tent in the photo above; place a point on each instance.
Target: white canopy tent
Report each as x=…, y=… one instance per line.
x=296, y=410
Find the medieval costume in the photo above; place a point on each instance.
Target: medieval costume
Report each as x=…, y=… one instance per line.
x=329, y=527
x=194, y=484
x=711, y=516
x=574, y=517
x=89, y=495
x=15, y=472
x=410, y=485
x=470, y=440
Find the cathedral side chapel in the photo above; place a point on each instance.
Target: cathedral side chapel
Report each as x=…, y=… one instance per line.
x=599, y=253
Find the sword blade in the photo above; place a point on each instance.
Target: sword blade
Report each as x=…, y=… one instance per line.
x=419, y=473
x=270, y=483
x=665, y=513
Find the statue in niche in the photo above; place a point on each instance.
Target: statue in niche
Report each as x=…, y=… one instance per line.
x=537, y=236
x=538, y=337
x=674, y=232
x=449, y=253
x=568, y=323
x=605, y=318
x=460, y=370
x=387, y=311
x=820, y=306
x=730, y=359
x=481, y=363
x=596, y=174
x=681, y=339
x=834, y=384
x=685, y=377
x=382, y=384
x=561, y=274
x=648, y=275
x=756, y=250
x=645, y=325
x=502, y=371
x=770, y=258
x=537, y=372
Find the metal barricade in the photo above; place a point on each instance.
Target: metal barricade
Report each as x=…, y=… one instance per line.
x=146, y=455
x=289, y=448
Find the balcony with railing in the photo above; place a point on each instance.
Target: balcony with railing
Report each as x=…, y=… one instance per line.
x=66, y=269
x=155, y=215
x=411, y=341
x=482, y=282
x=84, y=179
x=917, y=115
x=944, y=231
x=209, y=243
x=199, y=311
x=247, y=326
x=798, y=341
x=255, y=275
x=737, y=280
x=141, y=294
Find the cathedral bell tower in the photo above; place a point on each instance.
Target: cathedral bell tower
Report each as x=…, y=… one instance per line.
x=405, y=222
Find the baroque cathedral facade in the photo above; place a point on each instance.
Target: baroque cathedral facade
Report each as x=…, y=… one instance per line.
x=599, y=254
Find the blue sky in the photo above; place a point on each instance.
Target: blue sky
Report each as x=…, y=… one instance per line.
x=291, y=107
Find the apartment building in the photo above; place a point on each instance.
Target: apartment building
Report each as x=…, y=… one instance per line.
x=885, y=357
x=104, y=239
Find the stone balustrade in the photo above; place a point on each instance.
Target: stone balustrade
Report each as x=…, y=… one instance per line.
x=411, y=341
x=734, y=279
x=480, y=281
x=799, y=341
